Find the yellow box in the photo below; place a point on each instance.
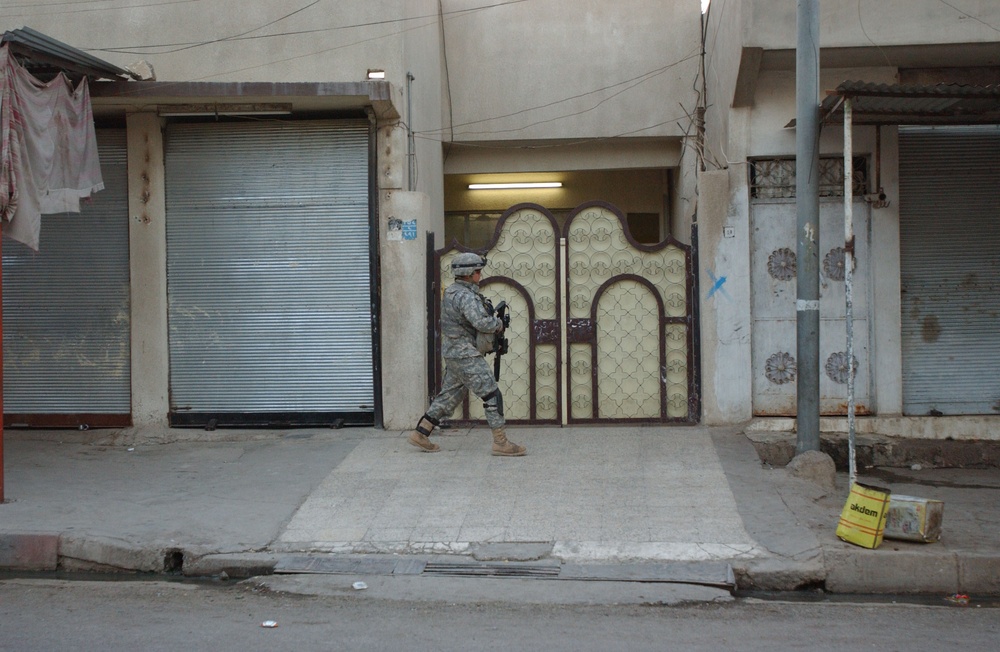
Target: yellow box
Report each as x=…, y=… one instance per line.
x=863, y=520
x=914, y=519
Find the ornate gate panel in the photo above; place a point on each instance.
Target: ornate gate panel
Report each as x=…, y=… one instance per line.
x=630, y=325
x=522, y=270
x=602, y=328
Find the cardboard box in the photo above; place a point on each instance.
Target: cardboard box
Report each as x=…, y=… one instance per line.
x=914, y=519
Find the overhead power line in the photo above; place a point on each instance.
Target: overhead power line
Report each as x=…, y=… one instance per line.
x=968, y=15
x=572, y=143
x=634, y=81
x=156, y=48
x=85, y=10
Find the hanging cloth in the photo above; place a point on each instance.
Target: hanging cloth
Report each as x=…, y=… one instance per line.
x=48, y=149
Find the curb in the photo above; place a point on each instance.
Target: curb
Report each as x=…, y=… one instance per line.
x=30, y=551
x=81, y=553
x=47, y=551
x=770, y=574
x=232, y=565
x=836, y=570
x=881, y=571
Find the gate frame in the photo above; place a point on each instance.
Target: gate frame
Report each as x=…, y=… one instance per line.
x=688, y=320
x=549, y=331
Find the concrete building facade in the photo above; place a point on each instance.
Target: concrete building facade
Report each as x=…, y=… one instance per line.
x=616, y=102
x=424, y=97
x=919, y=284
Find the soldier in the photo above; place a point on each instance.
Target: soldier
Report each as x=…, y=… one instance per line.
x=468, y=325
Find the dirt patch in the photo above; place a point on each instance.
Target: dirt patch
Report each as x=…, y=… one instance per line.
x=778, y=449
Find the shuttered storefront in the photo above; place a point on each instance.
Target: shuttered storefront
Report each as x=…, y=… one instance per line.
x=950, y=259
x=66, y=315
x=269, y=273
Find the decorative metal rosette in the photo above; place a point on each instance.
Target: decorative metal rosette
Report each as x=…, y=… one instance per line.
x=833, y=264
x=781, y=264
x=837, y=368
x=780, y=368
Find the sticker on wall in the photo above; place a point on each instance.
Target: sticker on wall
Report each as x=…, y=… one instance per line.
x=410, y=230
x=395, y=232
x=399, y=230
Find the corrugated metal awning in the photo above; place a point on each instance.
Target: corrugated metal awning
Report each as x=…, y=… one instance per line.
x=910, y=104
x=44, y=56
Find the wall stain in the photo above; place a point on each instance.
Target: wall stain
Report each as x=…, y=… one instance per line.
x=970, y=282
x=931, y=330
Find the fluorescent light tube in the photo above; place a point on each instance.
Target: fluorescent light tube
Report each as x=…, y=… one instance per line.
x=513, y=186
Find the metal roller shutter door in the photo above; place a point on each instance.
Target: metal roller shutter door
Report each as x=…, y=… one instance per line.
x=66, y=314
x=950, y=270
x=268, y=273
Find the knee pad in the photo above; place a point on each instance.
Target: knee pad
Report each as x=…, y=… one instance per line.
x=424, y=430
x=495, y=400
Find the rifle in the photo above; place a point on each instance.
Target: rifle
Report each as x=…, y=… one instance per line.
x=500, y=343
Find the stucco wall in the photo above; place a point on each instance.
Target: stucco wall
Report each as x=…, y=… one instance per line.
x=683, y=195
x=772, y=23
x=568, y=69
x=760, y=35
x=774, y=107
x=725, y=302
x=422, y=52
x=148, y=270
x=404, y=317
x=249, y=40
x=724, y=42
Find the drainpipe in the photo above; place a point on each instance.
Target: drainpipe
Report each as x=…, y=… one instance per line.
x=807, y=224
x=410, y=151
x=374, y=219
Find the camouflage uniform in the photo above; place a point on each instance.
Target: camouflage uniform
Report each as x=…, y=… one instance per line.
x=464, y=314
x=468, y=324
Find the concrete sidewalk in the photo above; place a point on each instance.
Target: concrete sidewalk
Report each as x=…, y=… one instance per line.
x=676, y=504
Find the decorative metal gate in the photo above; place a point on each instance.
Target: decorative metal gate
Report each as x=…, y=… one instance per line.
x=602, y=328
x=773, y=343
x=773, y=291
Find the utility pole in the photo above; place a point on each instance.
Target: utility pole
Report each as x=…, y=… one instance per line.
x=807, y=223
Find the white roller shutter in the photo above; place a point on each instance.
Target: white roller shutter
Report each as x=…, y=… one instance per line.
x=950, y=259
x=269, y=284
x=66, y=314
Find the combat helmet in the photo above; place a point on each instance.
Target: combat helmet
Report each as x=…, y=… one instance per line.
x=467, y=263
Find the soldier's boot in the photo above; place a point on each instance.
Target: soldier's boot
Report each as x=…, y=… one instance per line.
x=505, y=448
x=419, y=435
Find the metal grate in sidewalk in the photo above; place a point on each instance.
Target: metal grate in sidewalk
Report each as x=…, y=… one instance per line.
x=492, y=569
x=347, y=565
x=716, y=574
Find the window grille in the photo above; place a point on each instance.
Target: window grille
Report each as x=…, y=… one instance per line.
x=475, y=229
x=470, y=229
x=775, y=178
